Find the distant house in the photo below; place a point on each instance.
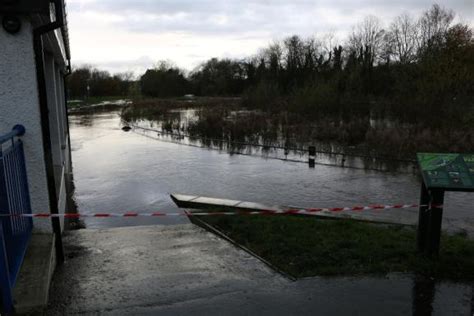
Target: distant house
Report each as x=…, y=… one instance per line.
x=35, y=59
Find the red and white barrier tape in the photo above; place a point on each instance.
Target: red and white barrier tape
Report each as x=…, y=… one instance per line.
x=306, y=211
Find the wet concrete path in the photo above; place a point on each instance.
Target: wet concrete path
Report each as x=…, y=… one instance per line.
x=184, y=270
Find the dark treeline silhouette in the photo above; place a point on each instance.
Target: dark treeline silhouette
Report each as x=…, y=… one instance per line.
x=87, y=81
x=220, y=78
x=164, y=80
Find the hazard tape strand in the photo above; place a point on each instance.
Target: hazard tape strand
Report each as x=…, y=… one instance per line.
x=291, y=211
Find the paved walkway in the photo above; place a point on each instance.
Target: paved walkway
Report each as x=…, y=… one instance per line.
x=184, y=270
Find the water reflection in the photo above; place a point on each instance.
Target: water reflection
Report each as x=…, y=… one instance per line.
x=270, y=151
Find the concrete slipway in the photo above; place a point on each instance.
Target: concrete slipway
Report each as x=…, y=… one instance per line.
x=184, y=270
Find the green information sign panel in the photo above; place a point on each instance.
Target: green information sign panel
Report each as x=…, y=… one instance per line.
x=451, y=172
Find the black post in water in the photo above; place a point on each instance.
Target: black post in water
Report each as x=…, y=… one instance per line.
x=434, y=230
x=311, y=156
x=423, y=219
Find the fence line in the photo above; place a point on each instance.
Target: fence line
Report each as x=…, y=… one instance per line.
x=295, y=149
x=266, y=157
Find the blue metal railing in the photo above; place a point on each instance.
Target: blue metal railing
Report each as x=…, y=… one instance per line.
x=15, y=232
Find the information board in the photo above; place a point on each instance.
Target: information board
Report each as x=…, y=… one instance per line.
x=451, y=172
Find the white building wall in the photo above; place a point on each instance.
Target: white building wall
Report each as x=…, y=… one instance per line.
x=19, y=104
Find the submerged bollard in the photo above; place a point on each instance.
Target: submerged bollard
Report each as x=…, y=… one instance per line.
x=312, y=156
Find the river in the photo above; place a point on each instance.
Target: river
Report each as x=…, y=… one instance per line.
x=116, y=171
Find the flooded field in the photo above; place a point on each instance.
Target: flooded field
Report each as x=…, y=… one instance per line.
x=137, y=171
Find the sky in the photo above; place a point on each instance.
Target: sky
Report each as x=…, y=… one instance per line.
x=119, y=35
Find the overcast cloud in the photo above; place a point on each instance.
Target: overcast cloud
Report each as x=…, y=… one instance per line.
x=120, y=35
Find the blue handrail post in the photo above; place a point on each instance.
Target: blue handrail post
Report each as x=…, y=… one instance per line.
x=5, y=282
x=15, y=231
x=17, y=130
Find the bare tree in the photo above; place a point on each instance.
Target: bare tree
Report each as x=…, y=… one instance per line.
x=402, y=38
x=164, y=65
x=294, y=54
x=310, y=51
x=368, y=35
x=273, y=54
x=126, y=76
x=328, y=42
x=433, y=25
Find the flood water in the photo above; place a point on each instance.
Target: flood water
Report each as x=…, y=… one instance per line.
x=119, y=172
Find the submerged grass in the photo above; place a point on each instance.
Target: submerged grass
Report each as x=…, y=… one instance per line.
x=92, y=100
x=305, y=247
x=353, y=134
x=154, y=108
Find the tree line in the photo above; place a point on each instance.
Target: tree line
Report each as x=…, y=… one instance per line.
x=87, y=81
x=414, y=68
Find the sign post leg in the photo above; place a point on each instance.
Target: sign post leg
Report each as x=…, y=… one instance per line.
x=434, y=231
x=423, y=219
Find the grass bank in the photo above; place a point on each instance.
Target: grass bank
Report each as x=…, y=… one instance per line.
x=305, y=247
